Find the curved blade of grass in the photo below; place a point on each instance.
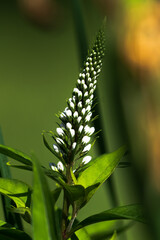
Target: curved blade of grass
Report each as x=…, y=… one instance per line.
x=15, y=154
x=43, y=211
x=130, y=212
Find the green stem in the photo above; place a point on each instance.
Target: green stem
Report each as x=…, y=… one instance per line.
x=66, y=203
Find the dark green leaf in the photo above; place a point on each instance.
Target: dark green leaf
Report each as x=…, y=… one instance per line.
x=13, y=234
x=43, y=211
x=131, y=212
x=15, y=154
x=55, y=194
x=17, y=190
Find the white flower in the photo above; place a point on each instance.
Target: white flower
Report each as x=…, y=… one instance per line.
x=59, y=141
x=88, y=101
x=72, y=131
x=87, y=69
x=68, y=125
x=71, y=104
x=80, y=75
x=88, y=117
x=95, y=81
x=62, y=115
x=69, y=113
x=89, y=130
x=83, y=111
x=80, y=104
x=75, y=115
x=60, y=166
x=85, y=86
x=86, y=159
x=87, y=148
x=86, y=94
x=79, y=81
x=74, y=145
x=88, y=109
x=79, y=119
x=91, y=97
x=83, y=82
x=87, y=75
x=55, y=147
x=83, y=75
x=91, y=85
x=79, y=94
x=85, y=139
x=92, y=91
x=76, y=90
x=80, y=129
x=53, y=167
x=94, y=73
x=89, y=79
x=60, y=132
x=92, y=68
x=74, y=99
x=87, y=64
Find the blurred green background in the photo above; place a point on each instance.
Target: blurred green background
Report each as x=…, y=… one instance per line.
x=39, y=65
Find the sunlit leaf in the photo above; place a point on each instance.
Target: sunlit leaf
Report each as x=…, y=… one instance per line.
x=114, y=236
x=6, y=202
x=101, y=168
x=43, y=211
x=17, y=190
x=15, y=154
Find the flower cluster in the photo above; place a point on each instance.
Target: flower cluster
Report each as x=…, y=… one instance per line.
x=73, y=137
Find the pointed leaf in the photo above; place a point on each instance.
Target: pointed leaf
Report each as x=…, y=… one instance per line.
x=114, y=236
x=13, y=234
x=101, y=168
x=17, y=190
x=131, y=212
x=43, y=212
x=15, y=154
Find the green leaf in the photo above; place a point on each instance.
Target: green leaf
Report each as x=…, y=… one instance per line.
x=43, y=211
x=15, y=154
x=114, y=236
x=103, y=230
x=101, y=168
x=13, y=219
x=17, y=190
x=13, y=234
x=55, y=194
x=131, y=212
x=82, y=234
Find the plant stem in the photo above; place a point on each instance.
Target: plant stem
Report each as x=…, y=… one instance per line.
x=66, y=203
x=74, y=215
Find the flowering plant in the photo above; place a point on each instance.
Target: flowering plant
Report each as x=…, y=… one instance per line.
x=75, y=173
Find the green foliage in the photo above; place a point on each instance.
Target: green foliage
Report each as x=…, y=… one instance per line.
x=15, y=154
x=130, y=212
x=76, y=174
x=42, y=211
